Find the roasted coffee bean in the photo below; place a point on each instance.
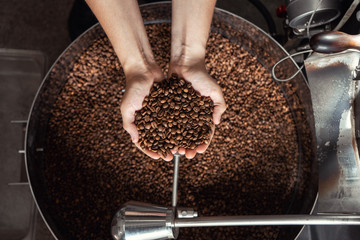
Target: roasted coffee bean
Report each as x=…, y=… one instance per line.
x=250, y=167
x=170, y=87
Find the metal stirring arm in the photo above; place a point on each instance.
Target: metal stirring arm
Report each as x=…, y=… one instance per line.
x=175, y=179
x=136, y=220
x=268, y=220
x=251, y=220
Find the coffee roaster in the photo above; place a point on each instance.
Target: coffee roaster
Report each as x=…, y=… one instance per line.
x=326, y=129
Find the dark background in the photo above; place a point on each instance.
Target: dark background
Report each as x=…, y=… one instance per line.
x=43, y=24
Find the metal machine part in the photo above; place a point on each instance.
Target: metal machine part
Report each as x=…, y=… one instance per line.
x=142, y=221
x=356, y=73
x=21, y=72
x=300, y=11
x=333, y=92
x=186, y=213
x=175, y=179
x=334, y=42
x=321, y=13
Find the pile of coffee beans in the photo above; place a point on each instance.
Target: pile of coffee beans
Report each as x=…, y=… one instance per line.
x=92, y=168
x=174, y=115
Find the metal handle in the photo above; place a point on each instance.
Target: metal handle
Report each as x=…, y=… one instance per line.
x=333, y=42
x=267, y=220
x=175, y=179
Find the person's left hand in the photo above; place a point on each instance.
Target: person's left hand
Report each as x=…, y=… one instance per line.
x=201, y=81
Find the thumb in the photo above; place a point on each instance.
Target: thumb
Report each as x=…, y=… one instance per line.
x=132, y=130
x=218, y=111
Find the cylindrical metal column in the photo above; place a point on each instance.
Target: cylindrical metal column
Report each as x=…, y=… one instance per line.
x=267, y=220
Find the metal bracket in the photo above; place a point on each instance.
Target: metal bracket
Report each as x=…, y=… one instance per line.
x=356, y=73
x=333, y=93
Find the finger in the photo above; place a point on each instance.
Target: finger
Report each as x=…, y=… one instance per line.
x=132, y=130
x=128, y=117
x=151, y=154
x=190, y=153
x=218, y=111
x=175, y=150
x=182, y=151
x=168, y=158
x=202, y=148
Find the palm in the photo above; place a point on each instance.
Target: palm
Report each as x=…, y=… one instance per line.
x=137, y=89
x=206, y=86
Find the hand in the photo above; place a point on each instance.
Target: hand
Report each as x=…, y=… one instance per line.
x=190, y=28
x=125, y=28
x=138, y=85
x=195, y=73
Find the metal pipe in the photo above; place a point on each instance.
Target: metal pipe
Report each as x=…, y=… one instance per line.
x=267, y=220
x=347, y=15
x=175, y=179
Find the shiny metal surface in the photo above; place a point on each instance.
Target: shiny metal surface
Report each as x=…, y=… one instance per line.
x=356, y=73
x=186, y=213
x=143, y=221
x=334, y=42
x=175, y=179
x=299, y=12
x=333, y=92
x=267, y=220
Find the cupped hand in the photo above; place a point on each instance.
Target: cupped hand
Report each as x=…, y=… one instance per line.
x=138, y=85
x=201, y=81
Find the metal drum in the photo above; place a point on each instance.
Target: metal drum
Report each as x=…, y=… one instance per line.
x=238, y=30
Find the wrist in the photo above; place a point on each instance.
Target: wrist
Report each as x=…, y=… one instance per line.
x=143, y=74
x=186, y=55
x=137, y=63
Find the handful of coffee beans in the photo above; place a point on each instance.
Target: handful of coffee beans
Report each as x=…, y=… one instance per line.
x=174, y=115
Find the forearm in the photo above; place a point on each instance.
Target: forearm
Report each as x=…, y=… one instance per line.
x=123, y=24
x=191, y=22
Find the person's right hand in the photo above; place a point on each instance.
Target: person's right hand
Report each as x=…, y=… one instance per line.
x=138, y=84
